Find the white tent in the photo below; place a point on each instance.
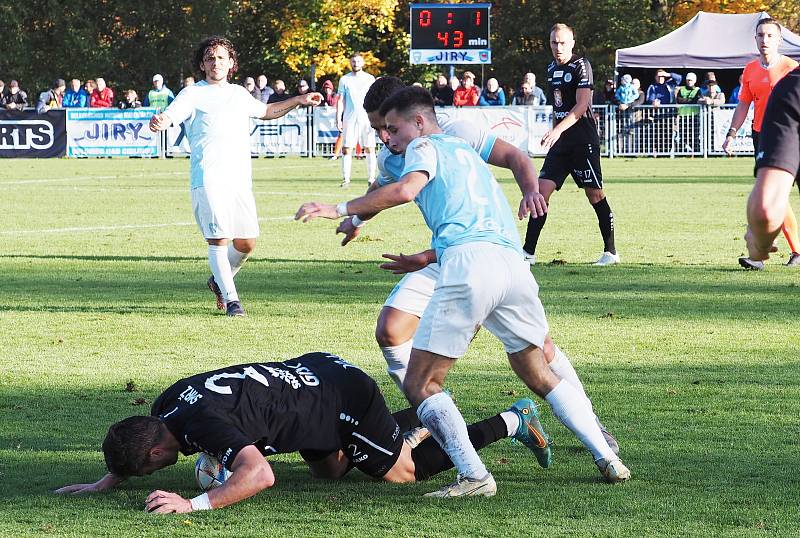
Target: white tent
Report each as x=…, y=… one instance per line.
x=707, y=41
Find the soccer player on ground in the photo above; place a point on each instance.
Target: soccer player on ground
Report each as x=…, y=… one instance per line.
x=399, y=317
x=483, y=280
x=351, y=119
x=573, y=142
x=758, y=79
x=777, y=166
x=318, y=404
x=217, y=118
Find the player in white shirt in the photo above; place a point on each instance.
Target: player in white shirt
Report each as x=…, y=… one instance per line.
x=483, y=280
x=351, y=119
x=217, y=118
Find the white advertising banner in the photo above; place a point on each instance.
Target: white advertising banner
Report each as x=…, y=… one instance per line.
x=720, y=122
x=109, y=132
x=325, y=130
x=520, y=126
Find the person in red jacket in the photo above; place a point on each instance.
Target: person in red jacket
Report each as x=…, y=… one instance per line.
x=102, y=96
x=467, y=94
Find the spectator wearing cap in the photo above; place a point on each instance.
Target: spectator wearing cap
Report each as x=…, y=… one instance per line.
x=626, y=93
x=710, y=92
x=688, y=94
x=102, y=96
x=687, y=127
x=16, y=99
x=662, y=91
x=492, y=94
x=160, y=96
x=467, y=93
x=75, y=96
x=51, y=98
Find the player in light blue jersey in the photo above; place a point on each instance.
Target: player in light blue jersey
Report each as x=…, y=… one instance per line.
x=484, y=280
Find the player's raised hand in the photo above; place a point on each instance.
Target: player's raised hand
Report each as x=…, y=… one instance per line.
x=312, y=210
x=533, y=204
x=350, y=232
x=159, y=122
x=406, y=263
x=165, y=502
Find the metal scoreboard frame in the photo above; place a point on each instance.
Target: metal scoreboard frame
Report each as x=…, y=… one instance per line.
x=450, y=34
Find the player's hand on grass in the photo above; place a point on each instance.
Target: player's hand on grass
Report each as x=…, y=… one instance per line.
x=159, y=122
x=406, y=263
x=165, y=502
x=756, y=251
x=550, y=138
x=312, y=210
x=533, y=204
x=350, y=232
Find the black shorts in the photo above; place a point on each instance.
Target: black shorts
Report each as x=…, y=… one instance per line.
x=369, y=435
x=582, y=161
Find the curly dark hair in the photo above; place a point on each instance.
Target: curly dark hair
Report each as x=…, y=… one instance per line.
x=211, y=43
x=128, y=443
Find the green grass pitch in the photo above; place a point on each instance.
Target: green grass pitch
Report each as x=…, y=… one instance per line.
x=690, y=361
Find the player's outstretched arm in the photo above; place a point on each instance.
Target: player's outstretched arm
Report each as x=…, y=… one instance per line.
x=251, y=474
x=276, y=110
x=766, y=210
x=107, y=482
x=351, y=227
x=508, y=156
x=408, y=263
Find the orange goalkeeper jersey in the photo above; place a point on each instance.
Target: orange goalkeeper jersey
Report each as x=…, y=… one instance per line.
x=757, y=84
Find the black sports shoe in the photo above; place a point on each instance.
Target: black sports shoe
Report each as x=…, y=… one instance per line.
x=212, y=285
x=794, y=260
x=751, y=265
x=234, y=309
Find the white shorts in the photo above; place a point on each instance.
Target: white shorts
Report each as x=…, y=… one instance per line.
x=413, y=293
x=358, y=131
x=482, y=284
x=225, y=213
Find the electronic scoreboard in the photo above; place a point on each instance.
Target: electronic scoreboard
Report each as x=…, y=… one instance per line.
x=450, y=34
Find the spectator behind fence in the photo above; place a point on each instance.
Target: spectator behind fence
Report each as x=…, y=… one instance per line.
x=467, y=93
x=279, y=92
x=51, y=98
x=329, y=95
x=689, y=94
x=16, y=99
x=75, y=96
x=160, y=96
x=454, y=83
x=610, y=92
x=492, y=94
x=250, y=86
x=302, y=87
x=626, y=93
x=539, y=96
x=102, y=96
x=710, y=92
x=526, y=96
x=733, y=99
x=89, y=87
x=662, y=91
x=687, y=127
x=637, y=85
x=3, y=92
x=442, y=92
x=264, y=91
x=131, y=100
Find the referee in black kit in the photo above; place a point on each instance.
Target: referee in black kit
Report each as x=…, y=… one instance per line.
x=573, y=142
x=777, y=166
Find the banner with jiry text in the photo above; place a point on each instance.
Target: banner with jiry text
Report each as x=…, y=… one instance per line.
x=31, y=135
x=286, y=135
x=107, y=132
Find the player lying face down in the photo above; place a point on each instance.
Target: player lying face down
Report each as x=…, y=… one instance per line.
x=326, y=409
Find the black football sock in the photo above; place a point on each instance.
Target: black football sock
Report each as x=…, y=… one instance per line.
x=407, y=419
x=535, y=226
x=605, y=219
x=430, y=459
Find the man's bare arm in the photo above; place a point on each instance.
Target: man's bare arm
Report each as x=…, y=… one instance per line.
x=109, y=481
x=276, y=110
x=508, y=156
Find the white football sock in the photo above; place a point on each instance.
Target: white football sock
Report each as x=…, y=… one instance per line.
x=347, y=166
x=397, y=360
x=221, y=269
x=512, y=421
x=440, y=415
x=562, y=367
x=573, y=412
x=235, y=258
x=372, y=165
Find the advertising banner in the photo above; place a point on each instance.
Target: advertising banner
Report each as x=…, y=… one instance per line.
x=720, y=122
x=108, y=132
x=325, y=130
x=31, y=135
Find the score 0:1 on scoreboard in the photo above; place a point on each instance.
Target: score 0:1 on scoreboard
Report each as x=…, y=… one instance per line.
x=450, y=34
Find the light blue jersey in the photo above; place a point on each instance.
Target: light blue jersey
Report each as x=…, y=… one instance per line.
x=462, y=202
x=390, y=165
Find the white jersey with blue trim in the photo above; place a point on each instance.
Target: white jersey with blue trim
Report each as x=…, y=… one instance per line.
x=217, y=119
x=462, y=202
x=390, y=165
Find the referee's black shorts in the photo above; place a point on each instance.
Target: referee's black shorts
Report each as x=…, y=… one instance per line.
x=582, y=161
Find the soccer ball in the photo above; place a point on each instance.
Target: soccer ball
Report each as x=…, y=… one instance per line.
x=209, y=472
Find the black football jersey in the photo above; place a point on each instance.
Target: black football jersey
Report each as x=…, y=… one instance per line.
x=277, y=406
x=563, y=83
x=779, y=142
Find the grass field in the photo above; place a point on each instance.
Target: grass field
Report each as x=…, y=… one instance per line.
x=692, y=362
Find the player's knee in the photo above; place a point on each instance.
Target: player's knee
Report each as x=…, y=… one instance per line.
x=594, y=195
x=385, y=336
x=549, y=349
x=245, y=246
